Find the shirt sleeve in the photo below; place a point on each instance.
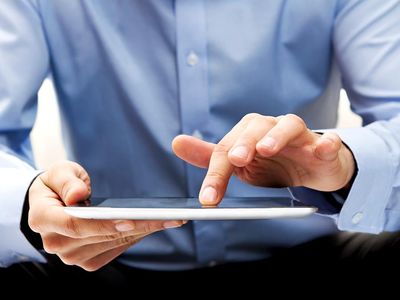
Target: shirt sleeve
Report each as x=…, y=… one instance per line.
x=366, y=41
x=24, y=63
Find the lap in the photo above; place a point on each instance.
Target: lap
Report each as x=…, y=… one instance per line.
x=327, y=254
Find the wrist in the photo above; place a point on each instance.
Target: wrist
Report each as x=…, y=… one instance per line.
x=351, y=163
x=33, y=237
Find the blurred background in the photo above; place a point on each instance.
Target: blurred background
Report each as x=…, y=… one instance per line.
x=46, y=135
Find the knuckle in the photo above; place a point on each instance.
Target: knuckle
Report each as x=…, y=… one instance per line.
x=296, y=120
x=215, y=175
x=69, y=259
x=65, y=185
x=86, y=180
x=248, y=140
x=75, y=258
x=221, y=147
x=66, y=164
x=334, y=136
x=57, y=167
x=264, y=122
x=91, y=265
x=34, y=222
x=268, y=120
x=250, y=116
x=82, y=174
x=51, y=245
x=66, y=259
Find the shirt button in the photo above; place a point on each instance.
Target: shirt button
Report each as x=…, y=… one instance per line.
x=357, y=218
x=212, y=263
x=192, y=59
x=197, y=134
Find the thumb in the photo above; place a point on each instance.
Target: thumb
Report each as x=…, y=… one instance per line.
x=328, y=146
x=193, y=150
x=69, y=181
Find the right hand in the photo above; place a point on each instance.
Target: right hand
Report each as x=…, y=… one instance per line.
x=89, y=244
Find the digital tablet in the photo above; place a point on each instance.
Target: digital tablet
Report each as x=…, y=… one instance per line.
x=189, y=209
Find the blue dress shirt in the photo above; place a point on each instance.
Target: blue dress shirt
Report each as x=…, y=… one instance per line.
x=131, y=75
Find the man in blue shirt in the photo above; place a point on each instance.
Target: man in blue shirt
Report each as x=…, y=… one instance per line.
x=132, y=75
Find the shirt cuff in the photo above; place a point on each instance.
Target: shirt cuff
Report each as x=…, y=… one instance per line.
x=14, y=246
x=364, y=208
x=326, y=203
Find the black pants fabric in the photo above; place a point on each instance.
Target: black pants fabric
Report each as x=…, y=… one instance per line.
x=346, y=254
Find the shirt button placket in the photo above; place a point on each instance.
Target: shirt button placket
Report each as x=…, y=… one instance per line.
x=191, y=44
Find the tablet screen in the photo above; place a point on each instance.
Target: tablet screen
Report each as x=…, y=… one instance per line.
x=169, y=202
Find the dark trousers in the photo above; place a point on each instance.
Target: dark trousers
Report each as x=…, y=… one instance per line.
x=348, y=255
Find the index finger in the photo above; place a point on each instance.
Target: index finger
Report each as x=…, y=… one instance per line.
x=220, y=168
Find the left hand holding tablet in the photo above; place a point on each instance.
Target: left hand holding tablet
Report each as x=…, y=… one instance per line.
x=89, y=244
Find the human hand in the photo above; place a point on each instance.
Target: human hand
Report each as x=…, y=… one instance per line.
x=89, y=244
x=270, y=152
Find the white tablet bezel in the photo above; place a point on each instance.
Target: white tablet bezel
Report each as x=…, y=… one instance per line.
x=183, y=213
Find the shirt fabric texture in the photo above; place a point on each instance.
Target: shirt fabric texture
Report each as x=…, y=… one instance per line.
x=131, y=75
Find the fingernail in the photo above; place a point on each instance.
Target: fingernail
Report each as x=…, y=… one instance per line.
x=208, y=196
x=124, y=226
x=268, y=142
x=171, y=224
x=240, y=152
